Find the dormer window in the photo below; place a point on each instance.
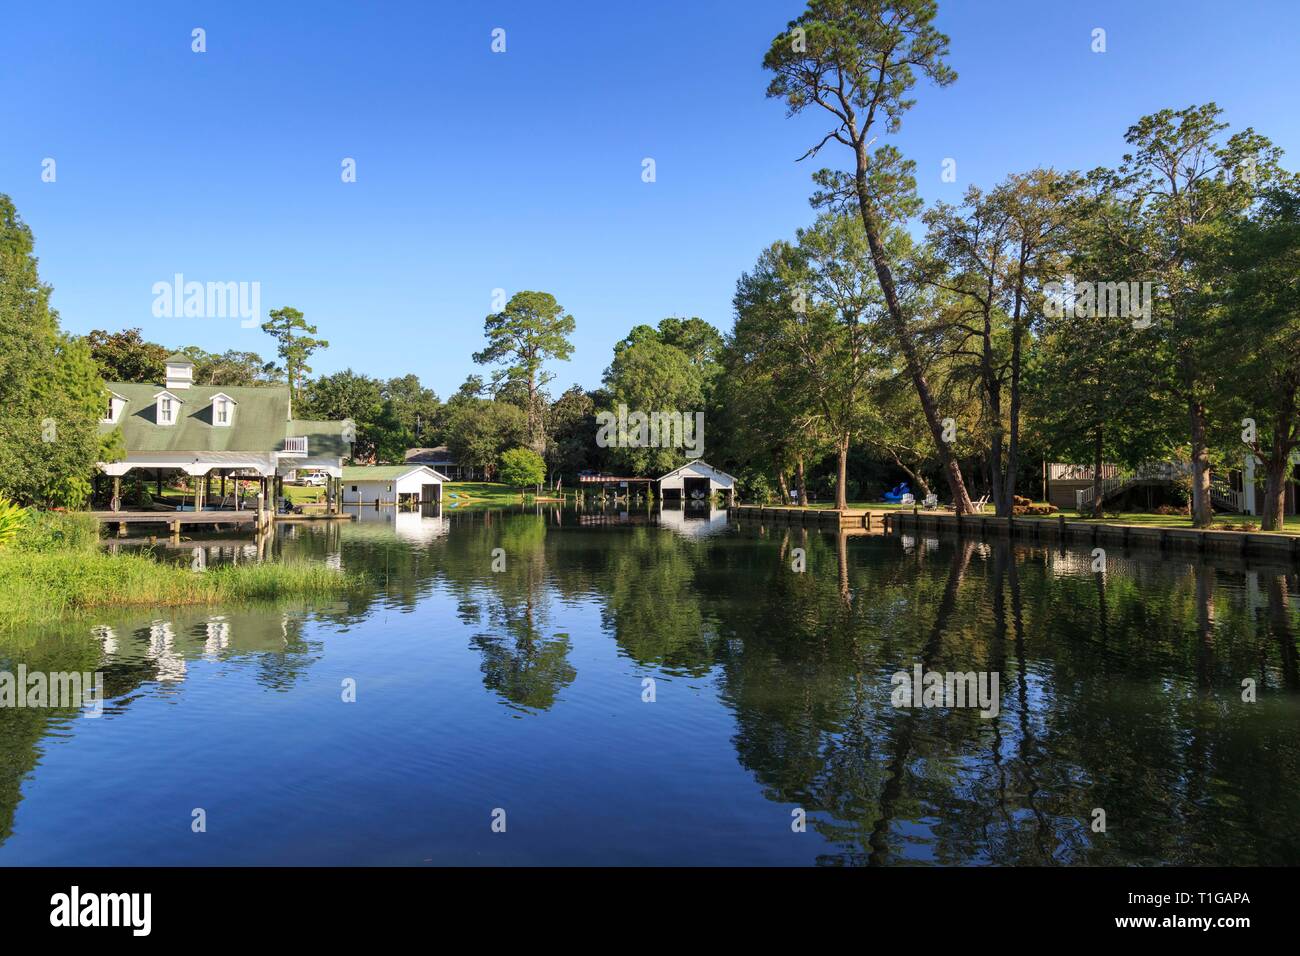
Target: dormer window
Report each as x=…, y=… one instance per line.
x=167, y=408
x=113, y=408
x=223, y=410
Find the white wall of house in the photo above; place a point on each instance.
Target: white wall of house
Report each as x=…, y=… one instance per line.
x=387, y=490
x=675, y=481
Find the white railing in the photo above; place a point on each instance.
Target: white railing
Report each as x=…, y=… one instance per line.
x=1151, y=471
x=295, y=446
x=1224, y=494
x=1221, y=492
x=1084, y=496
x=1059, y=471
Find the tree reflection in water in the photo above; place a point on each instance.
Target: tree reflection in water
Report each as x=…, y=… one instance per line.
x=1121, y=689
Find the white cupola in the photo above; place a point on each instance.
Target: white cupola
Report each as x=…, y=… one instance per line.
x=180, y=371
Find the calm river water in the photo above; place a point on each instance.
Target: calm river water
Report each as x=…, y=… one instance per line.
x=520, y=696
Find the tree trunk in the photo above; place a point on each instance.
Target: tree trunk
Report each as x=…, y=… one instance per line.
x=1202, y=508
x=1277, y=467
x=842, y=477
x=1274, y=495
x=1017, y=340
x=1096, y=474
x=800, y=482
x=951, y=469
x=783, y=487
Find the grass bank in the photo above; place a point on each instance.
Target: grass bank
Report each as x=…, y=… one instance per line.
x=463, y=493
x=53, y=568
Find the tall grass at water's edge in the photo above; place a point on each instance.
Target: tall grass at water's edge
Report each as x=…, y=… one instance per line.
x=54, y=569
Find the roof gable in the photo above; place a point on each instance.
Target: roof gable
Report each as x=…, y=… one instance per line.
x=700, y=468
x=387, y=472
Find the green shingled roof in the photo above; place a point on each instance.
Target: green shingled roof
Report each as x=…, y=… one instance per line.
x=377, y=472
x=177, y=357
x=261, y=421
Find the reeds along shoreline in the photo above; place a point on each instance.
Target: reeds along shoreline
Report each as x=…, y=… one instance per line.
x=54, y=569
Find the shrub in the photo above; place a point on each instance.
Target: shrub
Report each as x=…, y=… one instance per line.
x=48, y=531
x=12, y=520
x=522, y=467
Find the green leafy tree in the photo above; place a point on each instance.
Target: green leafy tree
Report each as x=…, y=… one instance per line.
x=51, y=393
x=126, y=357
x=806, y=319
x=857, y=60
x=231, y=367
x=1262, y=368
x=571, y=434
x=351, y=395
x=480, y=430
x=295, y=344
x=649, y=376
x=417, y=410
x=531, y=330
x=1182, y=185
x=522, y=467
x=990, y=258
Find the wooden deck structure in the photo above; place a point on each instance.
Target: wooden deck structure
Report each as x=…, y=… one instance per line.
x=826, y=518
x=175, y=520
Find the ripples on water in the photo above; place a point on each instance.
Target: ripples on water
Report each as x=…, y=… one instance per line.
x=522, y=689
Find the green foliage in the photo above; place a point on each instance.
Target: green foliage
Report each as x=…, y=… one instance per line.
x=232, y=367
x=50, y=531
x=44, y=587
x=531, y=330
x=51, y=393
x=522, y=467
x=126, y=357
x=480, y=430
x=571, y=430
x=416, y=411
x=674, y=368
x=347, y=395
x=13, y=519
x=294, y=349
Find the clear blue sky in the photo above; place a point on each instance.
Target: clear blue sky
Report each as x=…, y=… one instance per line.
x=522, y=170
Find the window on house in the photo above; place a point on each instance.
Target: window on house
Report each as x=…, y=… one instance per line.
x=108, y=415
x=223, y=412
x=167, y=409
x=354, y=487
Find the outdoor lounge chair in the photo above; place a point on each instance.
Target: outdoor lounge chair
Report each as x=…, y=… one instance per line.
x=976, y=508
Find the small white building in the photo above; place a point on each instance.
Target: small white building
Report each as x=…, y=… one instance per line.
x=696, y=481
x=391, y=485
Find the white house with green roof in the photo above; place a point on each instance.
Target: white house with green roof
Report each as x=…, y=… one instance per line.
x=392, y=485
x=226, y=431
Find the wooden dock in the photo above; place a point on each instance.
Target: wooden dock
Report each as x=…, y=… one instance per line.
x=176, y=520
x=860, y=521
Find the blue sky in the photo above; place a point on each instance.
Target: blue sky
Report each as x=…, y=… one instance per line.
x=522, y=170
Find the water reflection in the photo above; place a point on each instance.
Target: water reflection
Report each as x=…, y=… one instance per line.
x=1121, y=688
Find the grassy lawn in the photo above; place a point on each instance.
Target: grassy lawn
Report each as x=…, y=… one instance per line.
x=464, y=493
x=1229, y=521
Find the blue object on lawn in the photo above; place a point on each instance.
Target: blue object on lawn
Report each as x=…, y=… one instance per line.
x=897, y=494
